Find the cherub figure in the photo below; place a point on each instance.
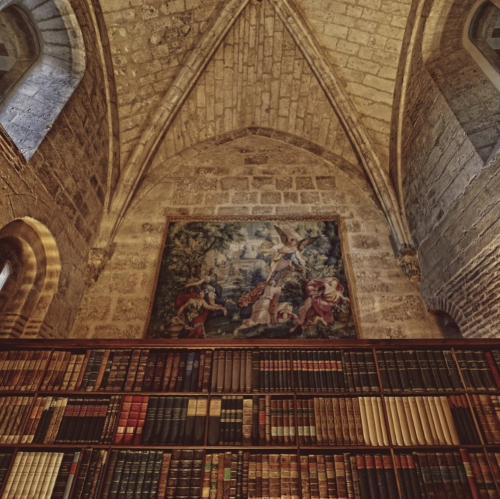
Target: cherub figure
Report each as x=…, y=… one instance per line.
x=288, y=255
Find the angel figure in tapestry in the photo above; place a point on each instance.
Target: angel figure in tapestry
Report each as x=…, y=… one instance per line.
x=288, y=255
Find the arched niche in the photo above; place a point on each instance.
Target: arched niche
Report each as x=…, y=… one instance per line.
x=461, y=73
x=28, y=292
x=33, y=101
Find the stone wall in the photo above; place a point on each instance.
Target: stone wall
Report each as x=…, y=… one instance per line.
x=449, y=189
x=64, y=184
x=248, y=173
x=257, y=77
x=363, y=39
x=149, y=41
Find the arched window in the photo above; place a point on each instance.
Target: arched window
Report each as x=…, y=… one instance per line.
x=19, y=47
x=484, y=32
x=5, y=274
x=43, y=55
x=30, y=250
x=481, y=38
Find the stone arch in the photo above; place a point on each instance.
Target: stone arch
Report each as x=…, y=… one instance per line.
x=32, y=105
x=26, y=298
x=449, y=312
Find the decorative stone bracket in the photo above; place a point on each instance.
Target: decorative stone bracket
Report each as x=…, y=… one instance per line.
x=408, y=259
x=98, y=258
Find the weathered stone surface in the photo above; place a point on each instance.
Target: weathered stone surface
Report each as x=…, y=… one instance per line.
x=386, y=302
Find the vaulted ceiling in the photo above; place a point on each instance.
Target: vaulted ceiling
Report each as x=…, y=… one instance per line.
x=188, y=70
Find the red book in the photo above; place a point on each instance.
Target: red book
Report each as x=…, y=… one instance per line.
x=470, y=474
x=123, y=419
x=132, y=419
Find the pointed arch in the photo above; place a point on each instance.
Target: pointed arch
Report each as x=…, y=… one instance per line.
x=179, y=91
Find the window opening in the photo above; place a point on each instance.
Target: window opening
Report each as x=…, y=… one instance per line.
x=19, y=47
x=484, y=32
x=5, y=274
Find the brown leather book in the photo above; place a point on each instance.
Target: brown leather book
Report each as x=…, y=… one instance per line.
x=312, y=422
x=207, y=370
x=228, y=370
x=247, y=421
x=305, y=479
x=317, y=421
x=141, y=370
x=339, y=436
x=344, y=421
x=132, y=370
x=235, y=375
x=353, y=439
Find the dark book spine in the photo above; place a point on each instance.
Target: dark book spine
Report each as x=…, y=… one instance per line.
x=392, y=370
x=200, y=418
x=159, y=371
x=182, y=422
x=436, y=372
x=190, y=422
x=181, y=372
x=149, y=375
x=372, y=477
x=452, y=370
x=147, y=432
x=214, y=421
x=189, y=372
x=402, y=370
x=207, y=370
x=195, y=376
x=174, y=421
x=159, y=420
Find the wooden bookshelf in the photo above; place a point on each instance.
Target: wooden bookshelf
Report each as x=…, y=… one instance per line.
x=245, y=419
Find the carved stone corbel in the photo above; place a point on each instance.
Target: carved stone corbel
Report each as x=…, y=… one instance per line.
x=98, y=258
x=408, y=259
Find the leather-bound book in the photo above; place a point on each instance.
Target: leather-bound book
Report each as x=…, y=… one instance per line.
x=200, y=418
x=141, y=370
x=214, y=421
x=190, y=422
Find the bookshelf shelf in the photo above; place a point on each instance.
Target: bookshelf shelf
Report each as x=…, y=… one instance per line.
x=318, y=420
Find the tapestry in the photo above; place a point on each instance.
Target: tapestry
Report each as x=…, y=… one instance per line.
x=269, y=278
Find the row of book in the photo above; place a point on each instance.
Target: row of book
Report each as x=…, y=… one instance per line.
x=245, y=370
x=5, y=458
x=460, y=475
x=464, y=422
x=55, y=475
x=186, y=474
x=418, y=370
x=339, y=476
x=479, y=369
x=250, y=420
x=421, y=421
x=22, y=369
x=341, y=421
x=487, y=410
x=154, y=474
x=13, y=411
x=235, y=475
x=334, y=371
x=72, y=420
x=162, y=420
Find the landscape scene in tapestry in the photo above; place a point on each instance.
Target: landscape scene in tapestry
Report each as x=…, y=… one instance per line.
x=255, y=279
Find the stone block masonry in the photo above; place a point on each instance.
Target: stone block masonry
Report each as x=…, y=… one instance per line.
x=225, y=179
